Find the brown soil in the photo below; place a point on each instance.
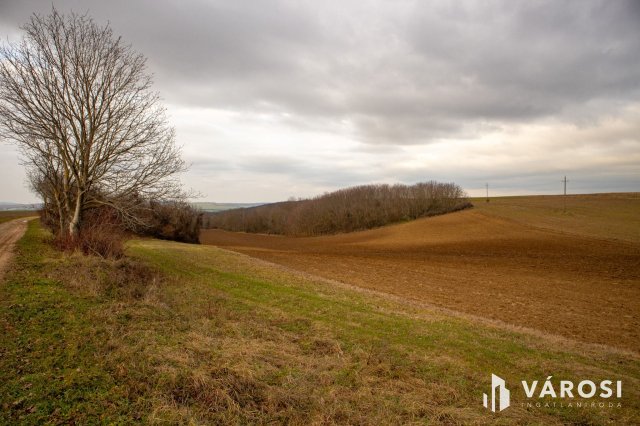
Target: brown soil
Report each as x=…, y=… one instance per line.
x=575, y=286
x=10, y=232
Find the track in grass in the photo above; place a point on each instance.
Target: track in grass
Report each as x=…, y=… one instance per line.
x=10, y=232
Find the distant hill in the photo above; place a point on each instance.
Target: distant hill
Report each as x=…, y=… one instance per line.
x=7, y=205
x=205, y=206
x=219, y=207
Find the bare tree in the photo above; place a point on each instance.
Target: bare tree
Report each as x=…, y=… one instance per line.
x=79, y=103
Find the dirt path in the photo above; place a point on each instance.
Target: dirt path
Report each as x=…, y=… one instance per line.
x=579, y=287
x=10, y=232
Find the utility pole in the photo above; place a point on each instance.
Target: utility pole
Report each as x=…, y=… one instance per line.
x=487, y=185
x=564, y=181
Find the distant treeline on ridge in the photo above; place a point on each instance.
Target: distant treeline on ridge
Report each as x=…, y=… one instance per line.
x=346, y=210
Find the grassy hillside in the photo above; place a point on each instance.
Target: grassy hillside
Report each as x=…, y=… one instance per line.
x=194, y=334
x=609, y=216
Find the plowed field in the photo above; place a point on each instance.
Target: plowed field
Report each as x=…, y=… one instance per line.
x=475, y=262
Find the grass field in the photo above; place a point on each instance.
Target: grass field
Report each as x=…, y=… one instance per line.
x=184, y=334
x=7, y=215
x=608, y=216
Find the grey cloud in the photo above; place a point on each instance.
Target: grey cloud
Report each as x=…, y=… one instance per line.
x=200, y=166
x=550, y=53
x=321, y=174
x=403, y=73
x=386, y=74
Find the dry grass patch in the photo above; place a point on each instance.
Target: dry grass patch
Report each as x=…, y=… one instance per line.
x=607, y=216
x=119, y=279
x=206, y=336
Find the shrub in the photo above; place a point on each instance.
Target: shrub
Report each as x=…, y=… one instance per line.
x=104, y=230
x=101, y=234
x=176, y=220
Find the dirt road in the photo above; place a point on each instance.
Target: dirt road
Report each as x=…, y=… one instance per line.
x=579, y=287
x=10, y=232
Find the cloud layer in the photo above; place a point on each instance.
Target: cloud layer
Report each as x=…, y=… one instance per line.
x=280, y=98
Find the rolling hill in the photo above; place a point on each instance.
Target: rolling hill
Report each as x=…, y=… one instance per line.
x=514, y=264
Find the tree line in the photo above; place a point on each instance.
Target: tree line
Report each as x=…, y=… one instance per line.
x=346, y=210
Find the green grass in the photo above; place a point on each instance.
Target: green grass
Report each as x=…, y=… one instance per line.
x=607, y=216
x=194, y=334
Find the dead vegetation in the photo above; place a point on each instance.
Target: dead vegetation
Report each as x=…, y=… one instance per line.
x=123, y=279
x=103, y=232
x=172, y=220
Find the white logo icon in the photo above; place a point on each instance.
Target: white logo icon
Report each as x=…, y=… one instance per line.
x=504, y=395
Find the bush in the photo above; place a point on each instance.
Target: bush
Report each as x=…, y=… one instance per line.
x=176, y=220
x=102, y=234
x=103, y=230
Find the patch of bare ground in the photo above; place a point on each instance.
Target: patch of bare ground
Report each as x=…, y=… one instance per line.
x=10, y=232
x=574, y=286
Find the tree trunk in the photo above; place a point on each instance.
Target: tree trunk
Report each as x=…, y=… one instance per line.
x=74, y=224
x=61, y=214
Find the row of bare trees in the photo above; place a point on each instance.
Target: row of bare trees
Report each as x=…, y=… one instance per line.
x=346, y=210
x=93, y=135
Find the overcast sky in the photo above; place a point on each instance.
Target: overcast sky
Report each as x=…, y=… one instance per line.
x=272, y=99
